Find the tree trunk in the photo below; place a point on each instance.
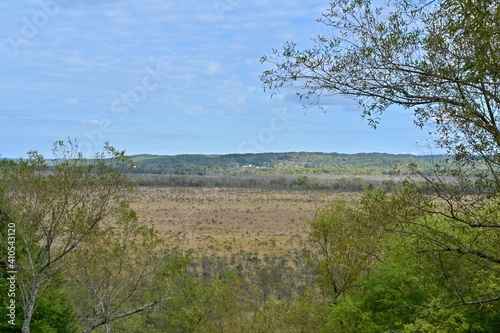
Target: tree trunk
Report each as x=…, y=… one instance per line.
x=28, y=313
x=29, y=308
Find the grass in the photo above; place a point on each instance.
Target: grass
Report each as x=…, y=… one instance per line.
x=229, y=220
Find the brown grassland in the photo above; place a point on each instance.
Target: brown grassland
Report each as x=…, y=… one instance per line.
x=229, y=220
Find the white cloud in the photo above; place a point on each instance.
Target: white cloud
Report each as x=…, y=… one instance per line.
x=213, y=68
x=93, y=122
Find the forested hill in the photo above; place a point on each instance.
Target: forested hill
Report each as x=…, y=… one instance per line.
x=281, y=163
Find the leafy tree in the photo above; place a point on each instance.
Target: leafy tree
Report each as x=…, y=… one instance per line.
x=304, y=313
x=111, y=272
x=55, y=205
x=447, y=236
x=406, y=293
x=391, y=297
x=343, y=245
x=197, y=305
x=438, y=59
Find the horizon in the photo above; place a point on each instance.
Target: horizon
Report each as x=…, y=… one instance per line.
x=284, y=152
x=171, y=78
x=250, y=153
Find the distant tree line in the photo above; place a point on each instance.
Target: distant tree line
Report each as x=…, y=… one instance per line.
x=343, y=184
x=285, y=182
x=280, y=163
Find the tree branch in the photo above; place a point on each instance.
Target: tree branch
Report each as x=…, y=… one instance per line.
x=123, y=315
x=465, y=250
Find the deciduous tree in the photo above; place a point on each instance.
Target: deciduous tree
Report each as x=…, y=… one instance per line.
x=112, y=271
x=343, y=245
x=55, y=205
x=439, y=59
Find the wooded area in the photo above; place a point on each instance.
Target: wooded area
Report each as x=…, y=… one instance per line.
x=283, y=164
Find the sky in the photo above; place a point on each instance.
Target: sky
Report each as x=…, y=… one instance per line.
x=165, y=77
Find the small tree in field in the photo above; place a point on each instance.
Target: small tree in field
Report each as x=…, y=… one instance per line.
x=55, y=205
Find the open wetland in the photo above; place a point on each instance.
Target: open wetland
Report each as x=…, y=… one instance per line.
x=229, y=220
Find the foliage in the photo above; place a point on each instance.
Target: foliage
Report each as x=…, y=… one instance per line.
x=112, y=270
x=278, y=163
x=437, y=59
x=343, y=245
x=195, y=305
x=5, y=326
x=409, y=291
x=461, y=241
x=55, y=313
x=54, y=208
x=303, y=314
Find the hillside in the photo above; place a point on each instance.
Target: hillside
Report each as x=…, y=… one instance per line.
x=281, y=163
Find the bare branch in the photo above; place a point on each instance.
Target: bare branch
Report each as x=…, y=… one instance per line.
x=123, y=315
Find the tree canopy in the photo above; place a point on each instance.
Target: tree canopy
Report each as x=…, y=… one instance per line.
x=55, y=205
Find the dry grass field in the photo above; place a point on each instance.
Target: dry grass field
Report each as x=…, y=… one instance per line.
x=229, y=220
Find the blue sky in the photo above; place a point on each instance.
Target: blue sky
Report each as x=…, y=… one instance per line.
x=165, y=77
